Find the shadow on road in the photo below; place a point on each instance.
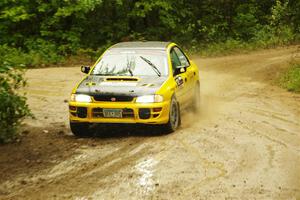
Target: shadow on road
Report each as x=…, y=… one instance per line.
x=122, y=130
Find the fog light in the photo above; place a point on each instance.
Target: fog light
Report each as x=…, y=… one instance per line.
x=144, y=113
x=82, y=112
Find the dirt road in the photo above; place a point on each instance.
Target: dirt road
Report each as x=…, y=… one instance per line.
x=245, y=144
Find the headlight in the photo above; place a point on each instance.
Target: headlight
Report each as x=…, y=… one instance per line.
x=81, y=98
x=149, y=99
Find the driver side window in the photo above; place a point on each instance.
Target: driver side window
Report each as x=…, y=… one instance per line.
x=175, y=60
x=183, y=60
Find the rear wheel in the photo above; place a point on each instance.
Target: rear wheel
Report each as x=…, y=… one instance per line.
x=80, y=129
x=174, y=117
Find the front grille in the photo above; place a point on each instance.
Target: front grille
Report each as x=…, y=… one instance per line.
x=126, y=113
x=113, y=98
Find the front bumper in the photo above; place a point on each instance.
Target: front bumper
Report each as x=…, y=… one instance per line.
x=158, y=113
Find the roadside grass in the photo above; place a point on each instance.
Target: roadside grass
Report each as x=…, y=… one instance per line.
x=291, y=78
x=231, y=46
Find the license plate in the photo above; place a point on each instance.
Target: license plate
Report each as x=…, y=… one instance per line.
x=112, y=113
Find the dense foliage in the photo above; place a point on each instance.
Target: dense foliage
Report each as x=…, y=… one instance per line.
x=48, y=30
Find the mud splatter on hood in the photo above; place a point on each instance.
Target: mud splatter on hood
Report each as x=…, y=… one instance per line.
x=133, y=86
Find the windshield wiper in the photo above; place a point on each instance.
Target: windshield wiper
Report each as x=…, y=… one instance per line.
x=130, y=71
x=152, y=65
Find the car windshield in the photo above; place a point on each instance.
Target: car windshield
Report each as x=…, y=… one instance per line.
x=132, y=62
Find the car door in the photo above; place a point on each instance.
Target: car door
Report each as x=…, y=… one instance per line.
x=179, y=77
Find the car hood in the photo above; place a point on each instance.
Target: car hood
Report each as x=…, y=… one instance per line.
x=132, y=86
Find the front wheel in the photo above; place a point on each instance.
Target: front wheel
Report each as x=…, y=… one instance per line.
x=174, y=117
x=80, y=129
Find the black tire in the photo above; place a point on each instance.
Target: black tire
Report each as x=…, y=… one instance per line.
x=80, y=129
x=196, y=99
x=174, y=117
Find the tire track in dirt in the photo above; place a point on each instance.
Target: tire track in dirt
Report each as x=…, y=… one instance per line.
x=87, y=160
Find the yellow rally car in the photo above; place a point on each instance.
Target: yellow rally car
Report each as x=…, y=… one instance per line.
x=135, y=82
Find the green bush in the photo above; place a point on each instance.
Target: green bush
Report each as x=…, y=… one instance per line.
x=36, y=53
x=291, y=79
x=13, y=107
x=13, y=56
x=43, y=52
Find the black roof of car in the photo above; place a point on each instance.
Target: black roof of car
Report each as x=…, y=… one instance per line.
x=143, y=45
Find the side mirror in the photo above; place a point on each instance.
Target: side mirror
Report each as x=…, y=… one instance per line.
x=85, y=69
x=180, y=69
